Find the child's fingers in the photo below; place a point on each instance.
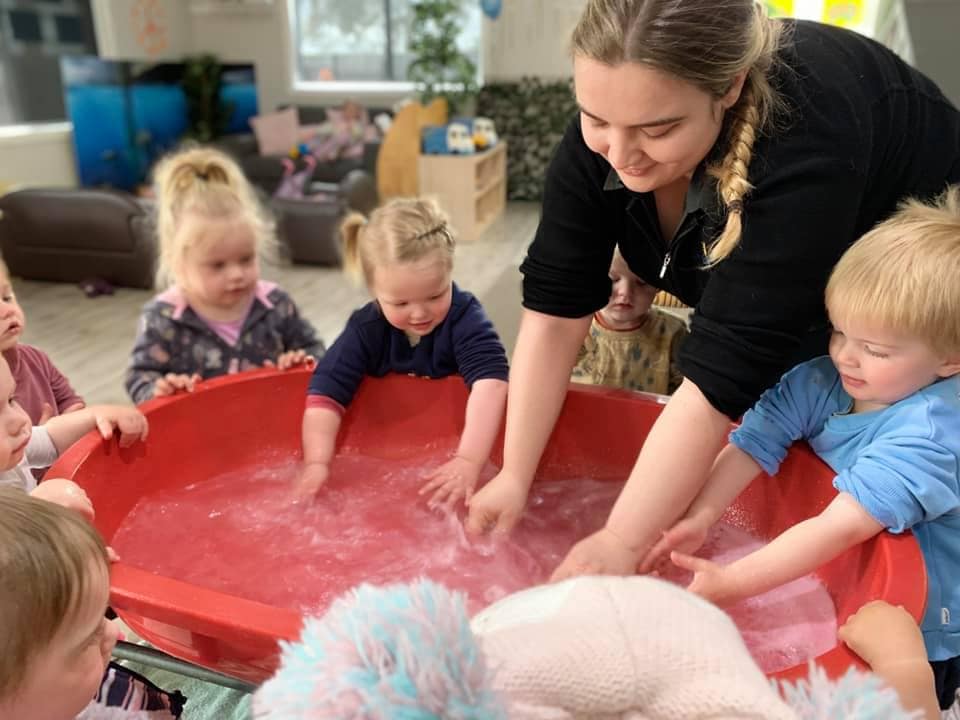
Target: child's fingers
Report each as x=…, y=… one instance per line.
x=434, y=482
x=105, y=426
x=690, y=562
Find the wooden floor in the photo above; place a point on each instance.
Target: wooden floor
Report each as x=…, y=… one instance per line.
x=89, y=339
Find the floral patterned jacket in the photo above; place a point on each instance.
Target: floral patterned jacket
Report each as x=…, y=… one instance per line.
x=172, y=338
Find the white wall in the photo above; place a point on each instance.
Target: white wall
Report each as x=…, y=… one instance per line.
x=530, y=38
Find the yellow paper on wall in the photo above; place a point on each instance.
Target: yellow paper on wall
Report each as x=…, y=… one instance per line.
x=845, y=13
x=780, y=8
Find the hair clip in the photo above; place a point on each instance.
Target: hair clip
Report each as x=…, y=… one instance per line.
x=436, y=228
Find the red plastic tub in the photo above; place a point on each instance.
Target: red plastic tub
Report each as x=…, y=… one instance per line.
x=236, y=422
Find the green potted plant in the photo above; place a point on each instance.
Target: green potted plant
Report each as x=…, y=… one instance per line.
x=439, y=68
x=208, y=117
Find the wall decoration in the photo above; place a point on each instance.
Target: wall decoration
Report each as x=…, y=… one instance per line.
x=149, y=23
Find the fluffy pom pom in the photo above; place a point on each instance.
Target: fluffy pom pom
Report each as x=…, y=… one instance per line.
x=855, y=696
x=401, y=652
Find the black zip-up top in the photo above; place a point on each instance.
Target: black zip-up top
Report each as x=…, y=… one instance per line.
x=864, y=130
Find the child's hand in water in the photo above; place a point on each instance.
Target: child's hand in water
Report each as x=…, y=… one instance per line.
x=602, y=553
x=711, y=581
x=881, y=633
x=173, y=383
x=66, y=493
x=687, y=536
x=290, y=359
x=128, y=421
x=453, y=481
x=311, y=478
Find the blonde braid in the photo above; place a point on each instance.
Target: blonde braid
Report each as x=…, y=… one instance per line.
x=732, y=183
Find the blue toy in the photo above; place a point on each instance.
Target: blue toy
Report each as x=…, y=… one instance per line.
x=451, y=139
x=491, y=8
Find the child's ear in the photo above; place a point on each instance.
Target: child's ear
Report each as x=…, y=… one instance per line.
x=949, y=367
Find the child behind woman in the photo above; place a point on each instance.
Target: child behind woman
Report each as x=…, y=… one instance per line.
x=419, y=323
x=42, y=390
x=630, y=344
x=216, y=316
x=883, y=411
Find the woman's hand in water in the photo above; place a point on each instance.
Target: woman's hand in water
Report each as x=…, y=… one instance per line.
x=453, y=481
x=311, y=478
x=290, y=359
x=687, y=536
x=498, y=506
x=713, y=582
x=173, y=383
x=602, y=553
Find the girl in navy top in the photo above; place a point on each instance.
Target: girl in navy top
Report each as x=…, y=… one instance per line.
x=419, y=323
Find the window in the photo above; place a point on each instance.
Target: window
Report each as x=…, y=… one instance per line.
x=363, y=43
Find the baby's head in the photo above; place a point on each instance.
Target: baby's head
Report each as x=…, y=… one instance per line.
x=15, y=425
x=12, y=320
x=630, y=297
x=212, y=230
x=404, y=253
x=894, y=302
x=54, y=585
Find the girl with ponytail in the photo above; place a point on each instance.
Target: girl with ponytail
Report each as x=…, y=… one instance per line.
x=215, y=315
x=419, y=323
x=732, y=158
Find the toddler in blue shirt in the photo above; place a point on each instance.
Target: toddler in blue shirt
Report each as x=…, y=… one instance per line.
x=419, y=323
x=883, y=411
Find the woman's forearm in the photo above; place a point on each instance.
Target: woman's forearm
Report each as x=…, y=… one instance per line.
x=540, y=374
x=671, y=469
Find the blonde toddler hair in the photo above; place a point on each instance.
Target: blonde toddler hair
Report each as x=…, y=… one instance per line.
x=46, y=553
x=707, y=43
x=903, y=275
x=206, y=181
x=402, y=231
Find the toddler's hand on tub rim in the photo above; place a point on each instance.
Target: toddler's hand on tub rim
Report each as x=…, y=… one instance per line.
x=289, y=359
x=497, y=506
x=603, y=553
x=173, y=383
x=128, y=421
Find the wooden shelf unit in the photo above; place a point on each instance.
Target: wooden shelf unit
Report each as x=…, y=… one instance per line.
x=472, y=189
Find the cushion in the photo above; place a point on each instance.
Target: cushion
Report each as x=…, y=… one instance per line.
x=277, y=132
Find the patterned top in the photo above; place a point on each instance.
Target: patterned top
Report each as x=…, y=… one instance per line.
x=173, y=339
x=641, y=359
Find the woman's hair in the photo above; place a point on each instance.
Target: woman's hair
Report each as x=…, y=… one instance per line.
x=707, y=43
x=46, y=555
x=402, y=231
x=902, y=275
x=204, y=181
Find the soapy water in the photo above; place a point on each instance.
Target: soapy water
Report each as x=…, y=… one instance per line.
x=241, y=533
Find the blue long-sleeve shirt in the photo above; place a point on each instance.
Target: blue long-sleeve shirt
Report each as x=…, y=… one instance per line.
x=901, y=463
x=465, y=344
